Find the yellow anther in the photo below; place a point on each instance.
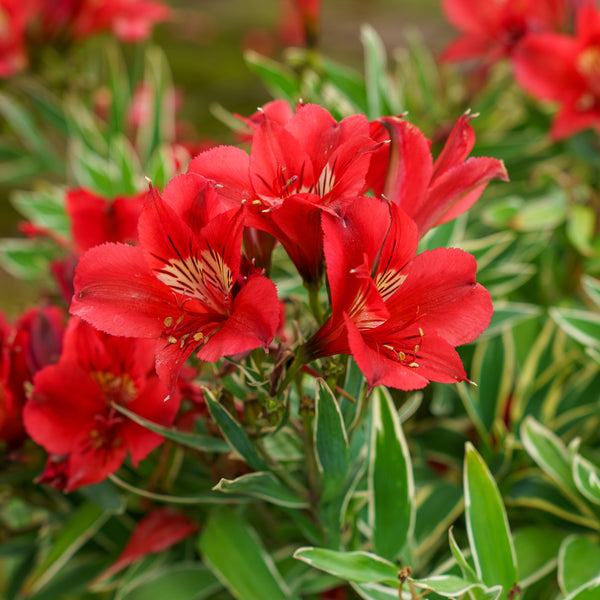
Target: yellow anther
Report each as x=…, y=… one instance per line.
x=168, y=321
x=172, y=340
x=414, y=365
x=401, y=355
x=198, y=336
x=421, y=332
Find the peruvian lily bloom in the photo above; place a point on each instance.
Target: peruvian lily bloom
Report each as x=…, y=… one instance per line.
x=14, y=18
x=34, y=342
x=71, y=409
x=431, y=192
x=399, y=315
x=183, y=285
x=492, y=30
x=566, y=69
x=95, y=220
x=296, y=170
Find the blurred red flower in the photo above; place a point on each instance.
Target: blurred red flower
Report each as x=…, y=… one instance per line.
x=71, y=413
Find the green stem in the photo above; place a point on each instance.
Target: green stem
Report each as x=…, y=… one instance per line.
x=314, y=302
x=298, y=362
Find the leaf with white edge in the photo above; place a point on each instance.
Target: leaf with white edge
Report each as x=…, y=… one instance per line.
x=234, y=434
x=235, y=554
x=262, y=485
x=591, y=286
x=578, y=563
x=279, y=79
x=509, y=314
x=537, y=551
x=450, y=586
x=196, y=441
x=81, y=526
x=581, y=325
x=331, y=441
x=588, y=591
x=357, y=566
x=375, y=70
x=390, y=478
x=549, y=452
x=587, y=478
x=466, y=568
x=376, y=591
x=495, y=563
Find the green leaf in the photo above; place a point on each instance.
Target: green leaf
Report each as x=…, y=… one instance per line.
x=234, y=434
x=588, y=591
x=236, y=556
x=548, y=451
x=495, y=563
x=45, y=207
x=450, y=586
x=507, y=315
x=375, y=70
x=331, y=441
x=183, y=581
x=587, y=478
x=262, y=485
x=358, y=566
x=581, y=325
x=466, y=568
x=591, y=285
x=80, y=527
x=580, y=228
x=26, y=259
x=391, y=484
x=196, y=441
x=578, y=563
x=104, y=495
x=537, y=550
x=281, y=81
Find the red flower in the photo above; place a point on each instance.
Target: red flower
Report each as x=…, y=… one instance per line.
x=431, y=192
x=182, y=286
x=566, y=69
x=34, y=342
x=398, y=314
x=70, y=411
x=95, y=220
x=492, y=30
x=14, y=17
x=296, y=170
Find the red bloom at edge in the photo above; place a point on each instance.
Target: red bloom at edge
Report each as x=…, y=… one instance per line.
x=71, y=412
x=183, y=285
x=430, y=192
x=492, y=30
x=398, y=314
x=566, y=69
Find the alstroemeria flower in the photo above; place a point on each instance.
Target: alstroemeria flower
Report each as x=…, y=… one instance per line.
x=95, y=220
x=566, y=69
x=399, y=315
x=32, y=343
x=70, y=411
x=295, y=170
x=492, y=30
x=183, y=285
x=431, y=192
x=14, y=18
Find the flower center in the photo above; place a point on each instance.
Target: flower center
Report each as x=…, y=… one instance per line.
x=588, y=66
x=116, y=388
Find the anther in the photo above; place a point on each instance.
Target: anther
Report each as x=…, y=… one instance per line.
x=414, y=365
x=168, y=321
x=172, y=340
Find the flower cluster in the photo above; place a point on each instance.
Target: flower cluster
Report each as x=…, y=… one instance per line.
x=349, y=199
x=550, y=61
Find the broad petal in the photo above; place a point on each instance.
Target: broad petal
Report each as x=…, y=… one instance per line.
x=466, y=48
x=116, y=292
x=471, y=15
x=544, y=64
x=570, y=121
x=90, y=463
x=228, y=168
x=457, y=147
x=441, y=296
x=254, y=321
x=64, y=400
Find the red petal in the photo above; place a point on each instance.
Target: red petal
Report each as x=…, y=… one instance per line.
x=228, y=168
x=441, y=296
x=457, y=147
x=116, y=292
x=254, y=321
x=156, y=532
